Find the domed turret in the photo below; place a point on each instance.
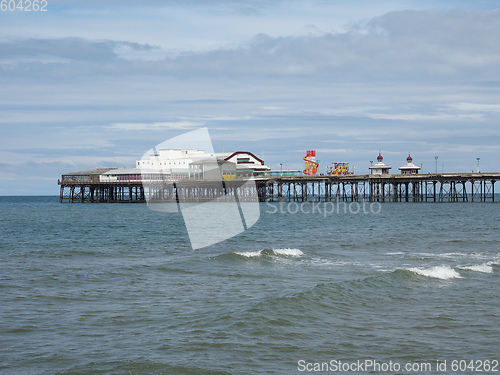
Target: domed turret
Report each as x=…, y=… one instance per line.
x=409, y=167
x=380, y=167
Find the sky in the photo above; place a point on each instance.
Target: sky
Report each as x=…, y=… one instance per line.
x=91, y=84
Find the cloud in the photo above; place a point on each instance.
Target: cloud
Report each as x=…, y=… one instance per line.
x=402, y=45
x=69, y=58
x=477, y=107
x=76, y=49
x=425, y=117
x=156, y=125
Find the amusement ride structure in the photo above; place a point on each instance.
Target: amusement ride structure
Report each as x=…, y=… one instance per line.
x=311, y=168
x=339, y=169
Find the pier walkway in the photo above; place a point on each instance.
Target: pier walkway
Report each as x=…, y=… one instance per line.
x=445, y=187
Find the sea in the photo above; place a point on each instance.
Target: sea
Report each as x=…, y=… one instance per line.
x=399, y=288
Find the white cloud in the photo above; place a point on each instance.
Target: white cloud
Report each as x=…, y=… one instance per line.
x=156, y=125
x=477, y=107
x=425, y=117
x=404, y=45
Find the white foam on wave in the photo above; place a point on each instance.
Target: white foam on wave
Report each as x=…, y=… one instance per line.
x=288, y=252
x=281, y=252
x=485, y=268
x=440, y=272
x=250, y=254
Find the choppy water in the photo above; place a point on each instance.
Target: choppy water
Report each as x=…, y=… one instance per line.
x=111, y=289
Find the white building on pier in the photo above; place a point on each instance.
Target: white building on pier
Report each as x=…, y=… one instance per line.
x=409, y=167
x=182, y=162
x=380, y=167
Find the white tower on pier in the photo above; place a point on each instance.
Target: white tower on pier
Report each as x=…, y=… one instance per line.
x=380, y=167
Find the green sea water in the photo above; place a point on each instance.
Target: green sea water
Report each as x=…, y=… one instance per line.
x=117, y=289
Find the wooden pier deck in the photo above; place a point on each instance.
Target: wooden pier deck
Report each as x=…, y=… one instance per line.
x=441, y=187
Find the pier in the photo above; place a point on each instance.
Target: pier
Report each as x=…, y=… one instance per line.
x=445, y=187
x=449, y=187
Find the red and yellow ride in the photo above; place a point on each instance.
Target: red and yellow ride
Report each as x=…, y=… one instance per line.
x=339, y=169
x=311, y=168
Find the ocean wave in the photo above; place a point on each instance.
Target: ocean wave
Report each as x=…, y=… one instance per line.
x=439, y=272
x=267, y=255
x=250, y=254
x=484, y=268
x=286, y=252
